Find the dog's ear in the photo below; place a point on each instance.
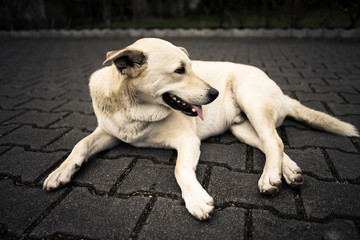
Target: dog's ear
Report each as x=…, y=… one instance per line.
x=128, y=61
x=184, y=50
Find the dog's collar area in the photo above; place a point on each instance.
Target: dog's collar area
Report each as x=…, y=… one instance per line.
x=179, y=104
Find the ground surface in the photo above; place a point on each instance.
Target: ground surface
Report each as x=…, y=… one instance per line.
x=129, y=192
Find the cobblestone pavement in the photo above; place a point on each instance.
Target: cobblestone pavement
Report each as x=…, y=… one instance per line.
x=130, y=192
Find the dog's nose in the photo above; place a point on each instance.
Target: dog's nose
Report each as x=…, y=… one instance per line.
x=213, y=94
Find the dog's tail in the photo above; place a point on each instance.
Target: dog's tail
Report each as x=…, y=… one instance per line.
x=320, y=120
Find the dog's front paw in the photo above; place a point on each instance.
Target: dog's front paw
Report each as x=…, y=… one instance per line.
x=57, y=178
x=292, y=176
x=199, y=203
x=269, y=182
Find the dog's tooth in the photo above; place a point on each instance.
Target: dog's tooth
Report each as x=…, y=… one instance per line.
x=174, y=98
x=183, y=104
x=193, y=109
x=178, y=101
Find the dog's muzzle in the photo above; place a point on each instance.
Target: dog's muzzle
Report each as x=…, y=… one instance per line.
x=189, y=109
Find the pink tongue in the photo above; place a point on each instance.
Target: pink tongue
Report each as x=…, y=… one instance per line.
x=198, y=111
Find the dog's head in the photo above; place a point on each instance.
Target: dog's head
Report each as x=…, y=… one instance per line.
x=161, y=73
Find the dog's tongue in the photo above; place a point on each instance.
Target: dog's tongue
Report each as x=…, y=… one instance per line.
x=198, y=111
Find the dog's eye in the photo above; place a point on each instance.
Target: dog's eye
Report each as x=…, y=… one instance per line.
x=180, y=70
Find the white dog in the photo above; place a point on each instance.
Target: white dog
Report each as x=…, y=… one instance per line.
x=151, y=94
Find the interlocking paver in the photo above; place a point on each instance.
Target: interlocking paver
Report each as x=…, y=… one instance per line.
x=102, y=174
x=40, y=104
x=67, y=141
x=303, y=138
x=233, y=155
x=330, y=199
x=128, y=192
x=20, y=205
x=83, y=214
x=149, y=177
x=176, y=223
x=36, y=138
x=268, y=226
x=40, y=119
x=347, y=165
x=28, y=165
x=227, y=187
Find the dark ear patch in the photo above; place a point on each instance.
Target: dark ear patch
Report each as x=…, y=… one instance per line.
x=127, y=61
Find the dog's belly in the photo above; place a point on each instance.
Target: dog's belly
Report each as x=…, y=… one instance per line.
x=218, y=117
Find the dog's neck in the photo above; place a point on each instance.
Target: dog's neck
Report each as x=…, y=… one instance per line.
x=117, y=94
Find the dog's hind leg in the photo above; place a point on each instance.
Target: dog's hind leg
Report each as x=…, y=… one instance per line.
x=97, y=141
x=246, y=133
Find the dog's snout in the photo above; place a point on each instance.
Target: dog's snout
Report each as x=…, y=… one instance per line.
x=213, y=94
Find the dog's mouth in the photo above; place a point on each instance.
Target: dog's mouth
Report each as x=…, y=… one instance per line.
x=179, y=104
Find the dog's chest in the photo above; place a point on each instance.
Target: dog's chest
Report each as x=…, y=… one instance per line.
x=125, y=129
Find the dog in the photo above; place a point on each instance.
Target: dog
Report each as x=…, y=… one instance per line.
x=153, y=95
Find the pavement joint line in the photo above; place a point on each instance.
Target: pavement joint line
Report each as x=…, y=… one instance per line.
x=207, y=175
x=248, y=225
x=300, y=208
x=249, y=165
x=143, y=217
x=121, y=178
x=331, y=166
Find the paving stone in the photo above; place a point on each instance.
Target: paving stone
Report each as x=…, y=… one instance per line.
x=226, y=186
x=322, y=199
x=76, y=106
x=10, y=103
x=27, y=165
x=36, y=138
x=40, y=104
x=233, y=155
x=342, y=162
x=68, y=140
x=149, y=177
x=304, y=138
x=5, y=114
x=77, y=120
x=352, y=98
x=311, y=161
x=126, y=150
x=269, y=226
x=344, y=109
x=40, y=119
x=302, y=87
x=328, y=97
x=101, y=173
x=330, y=88
x=50, y=94
x=20, y=206
x=76, y=95
x=4, y=129
x=103, y=218
x=3, y=149
x=170, y=220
